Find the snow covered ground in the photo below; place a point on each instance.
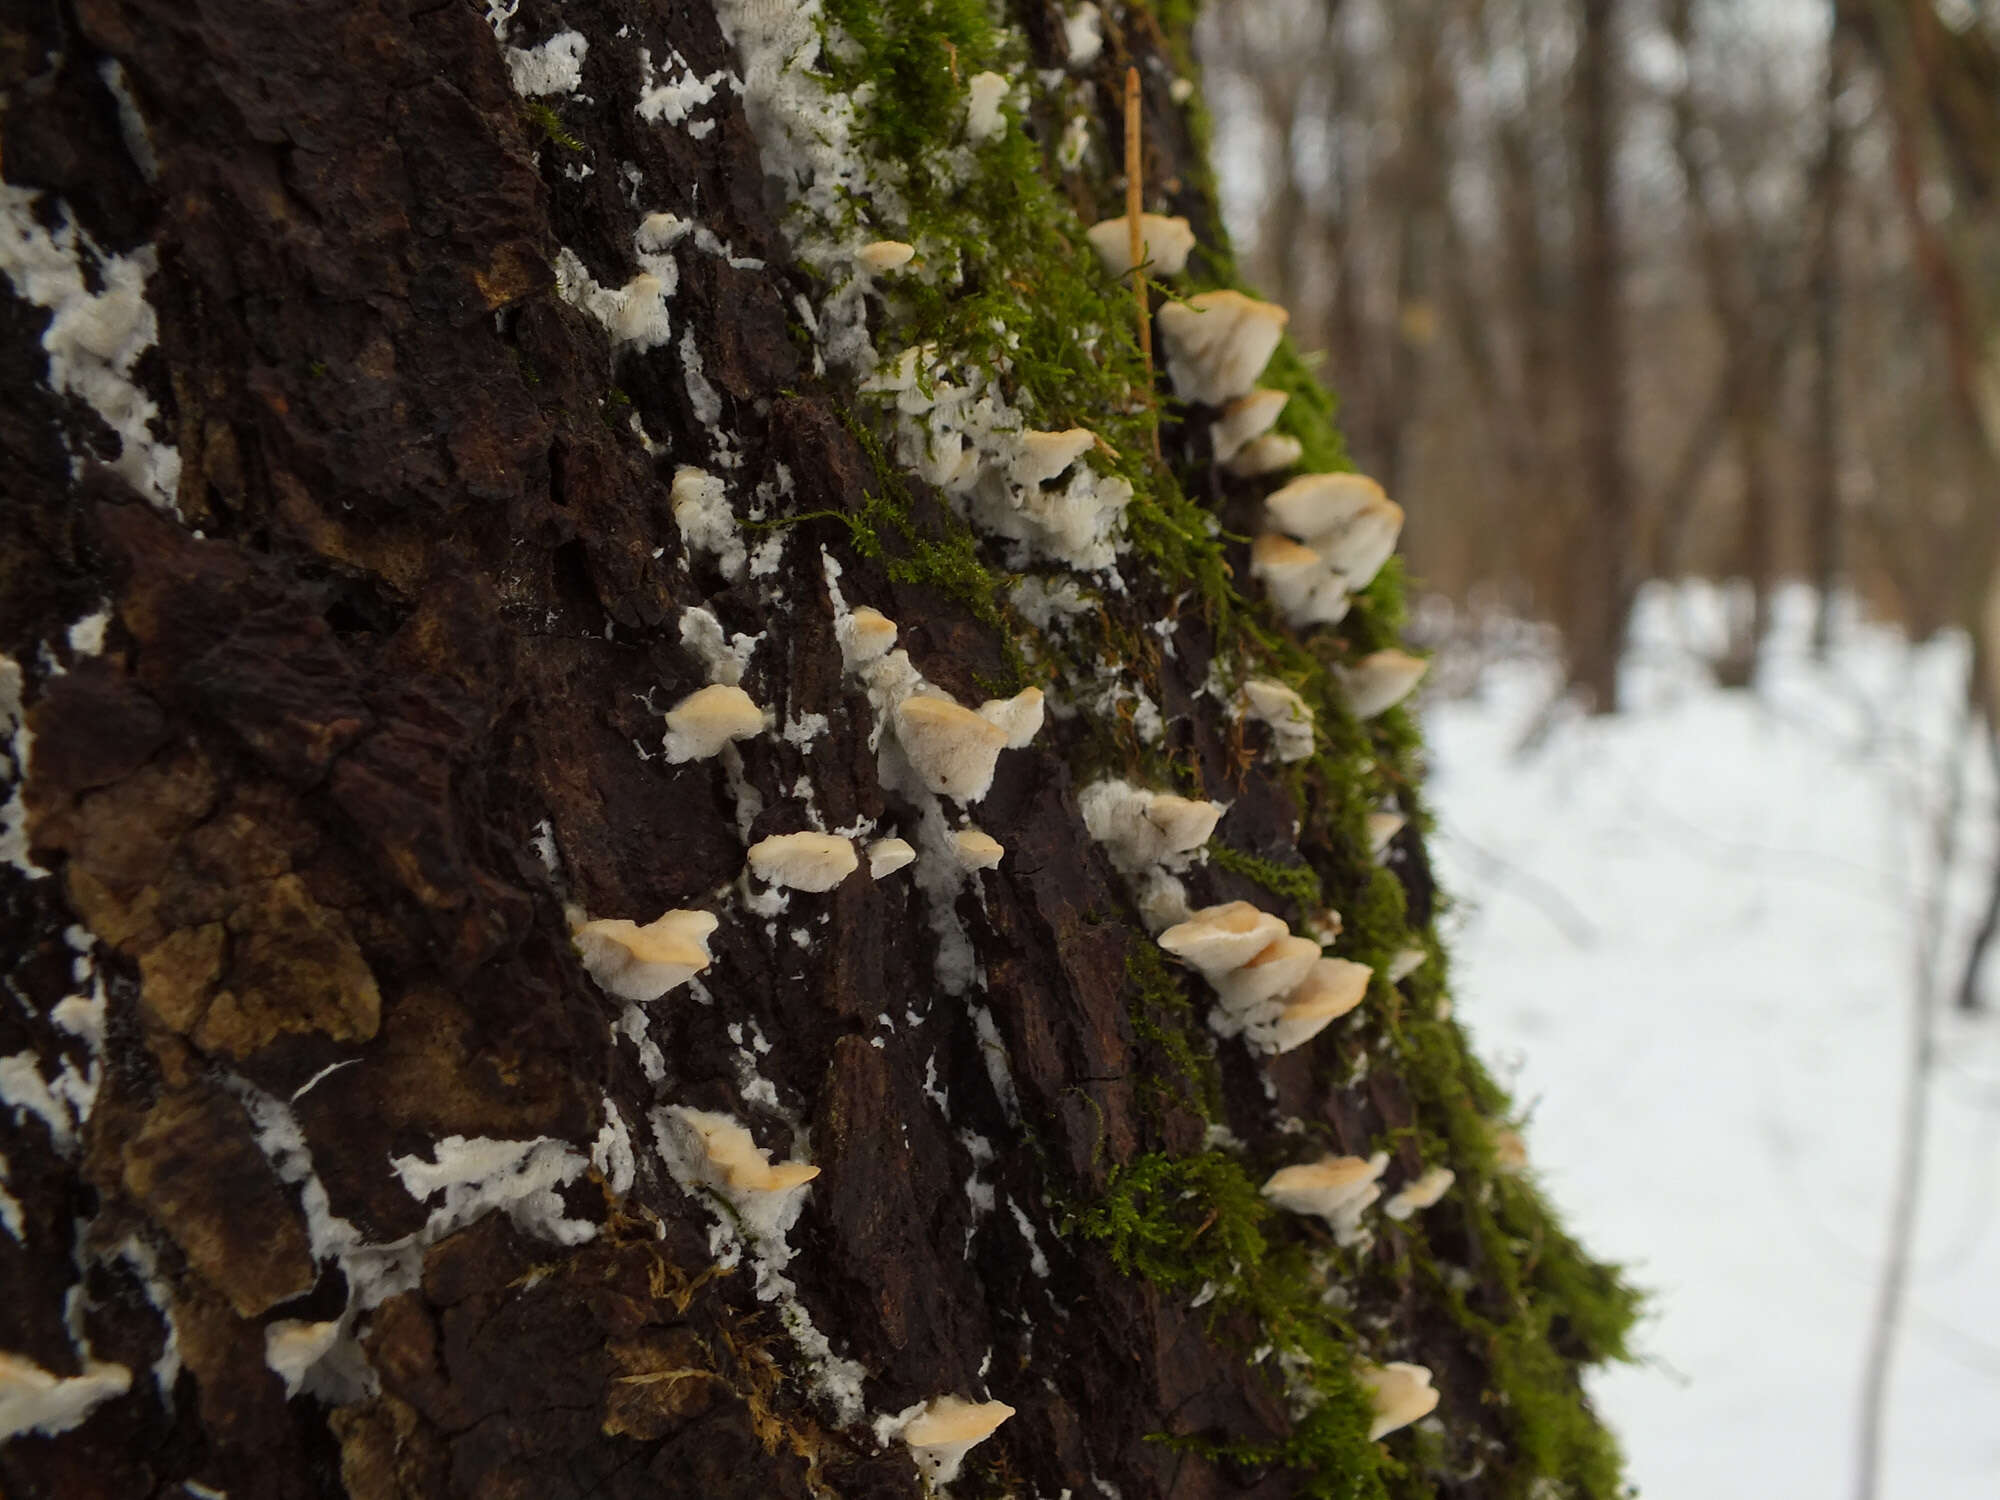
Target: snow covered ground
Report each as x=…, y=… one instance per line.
x=1688, y=937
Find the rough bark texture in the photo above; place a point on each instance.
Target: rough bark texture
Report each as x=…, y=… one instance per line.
x=277, y=927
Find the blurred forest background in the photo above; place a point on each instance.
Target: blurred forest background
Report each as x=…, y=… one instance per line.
x=1619, y=290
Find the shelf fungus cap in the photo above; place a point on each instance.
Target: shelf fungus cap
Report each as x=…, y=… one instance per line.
x=1337, y=1188
x=1245, y=418
x=952, y=748
x=34, y=1400
x=1400, y=1393
x=885, y=255
x=1344, y=517
x=1422, y=1193
x=1510, y=1152
x=1041, y=456
x=642, y=963
x=1382, y=830
x=1167, y=242
x=1141, y=828
x=1406, y=962
x=1379, y=681
x=1305, y=590
x=947, y=1429
x=1266, y=455
x=804, y=861
x=1218, y=344
x=976, y=849
x=1279, y=966
x=1018, y=717
x=887, y=856
x=735, y=1162
x=1289, y=716
x=707, y=719
x=1331, y=988
x=865, y=636
x=983, y=95
x=1219, y=939
x=639, y=308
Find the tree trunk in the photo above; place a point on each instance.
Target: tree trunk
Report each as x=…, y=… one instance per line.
x=402, y=409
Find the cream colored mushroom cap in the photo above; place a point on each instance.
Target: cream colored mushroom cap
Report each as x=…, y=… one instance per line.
x=1277, y=967
x=804, y=861
x=1401, y=1394
x=1218, y=939
x=1329, y=1178
x=949, y=1422
x=1265, y=454
x=1166, y=243
x=886, y=856
x=1245, y=419
x=952, y=748
x=1218, y=343
x=885, y=255
x=977, y=850
x=1314, y=504
x=865, y=635
x=733, y=1151
x=1379, y=681
x=1044, y=455
x=707, y=719
x=1019, y=717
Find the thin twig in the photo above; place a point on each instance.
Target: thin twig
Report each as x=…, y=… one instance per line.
x=1135, y=202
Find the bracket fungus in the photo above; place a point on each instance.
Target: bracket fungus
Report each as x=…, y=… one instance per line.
x=1244, y=420
x=1421, y=1193
x=1337, y=1188
x=887, y=856
x=1278, y=967
x=1379, y=681
x=1266, y=455
x=1289, y=717
x=1019, y=717
x=1218, y=344
x=1217, y=939
x=643, y=963
x=1167, y=242
x=734, y=1162
x=1406, y=962
x=1141, y=828
x=33, y=1400
x=1345, y=518
x=947, y=1429
x=1332, y=988
x=1041, y=456
x=1400, y=1393
x=707, y=719
x=804, y=861
x=1305, y=590
x=885, y=255
x=952, y=749
x=865, y=636
x=976, y=849
x=1382, y=830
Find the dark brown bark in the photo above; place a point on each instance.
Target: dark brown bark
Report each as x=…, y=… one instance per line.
x=319, y=762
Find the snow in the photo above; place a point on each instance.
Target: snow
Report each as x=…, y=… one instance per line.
x=1688, y=935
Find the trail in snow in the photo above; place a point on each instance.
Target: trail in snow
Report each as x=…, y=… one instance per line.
x=1686, y=936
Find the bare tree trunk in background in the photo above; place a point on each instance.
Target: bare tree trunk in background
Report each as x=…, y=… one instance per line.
x=1603, y=549
x=1824, y=524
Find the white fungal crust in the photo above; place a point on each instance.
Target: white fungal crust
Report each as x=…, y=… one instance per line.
x=1141, y=828
x=1345, y=518
x=983, y=118
x=887, y=856
x=1289, y=717
x=1218, y=939
x=977, y=850
x=1379, y=681
x=885, y=255
x=643, y=963
x=1043, y=456
x=1423, y=1193
x=1244, y=419
x=1218, y=344
x=804, y=861
x=1400, y=1393
x=1305, y=590
x=1083, y=35
x=1266, y=455
x=1339, y=1189
x=952, y=748
x=1019, y=717
x=701, y=510
x=709, y=718
x=865, y=636
x=1166, y=243
x=33, y=1400
x=947, y=1429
